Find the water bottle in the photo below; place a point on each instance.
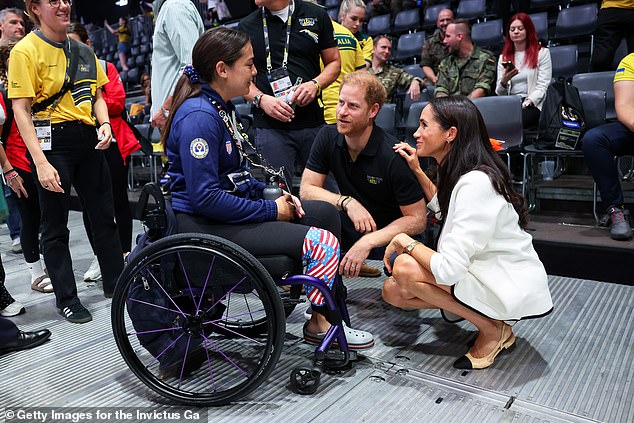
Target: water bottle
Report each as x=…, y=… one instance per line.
x=272, y=190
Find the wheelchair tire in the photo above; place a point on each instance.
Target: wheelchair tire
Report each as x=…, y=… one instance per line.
x=168, y=310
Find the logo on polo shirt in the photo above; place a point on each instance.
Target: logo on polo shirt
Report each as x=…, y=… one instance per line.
x=374, y=180
x=84, y=68
x=307, y=21
x=199, y=148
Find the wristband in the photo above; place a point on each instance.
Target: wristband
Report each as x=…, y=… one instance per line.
x=106, y=123
x=344, y=203
x=317, y=84
x=9, y=171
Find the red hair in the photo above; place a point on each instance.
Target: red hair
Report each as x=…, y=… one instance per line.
x=532, y=44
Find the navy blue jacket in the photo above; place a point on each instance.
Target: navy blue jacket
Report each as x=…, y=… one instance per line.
x=203, y=157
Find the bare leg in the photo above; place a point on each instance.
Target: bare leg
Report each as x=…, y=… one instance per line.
x=123, y=59
x=419, y=283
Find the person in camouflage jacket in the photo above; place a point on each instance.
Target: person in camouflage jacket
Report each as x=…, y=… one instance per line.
x=391, y=76
x=434, y=49
x=468, y=70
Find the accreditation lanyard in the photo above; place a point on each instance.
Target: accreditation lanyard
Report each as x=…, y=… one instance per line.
x=265, y=28
x=239, y=135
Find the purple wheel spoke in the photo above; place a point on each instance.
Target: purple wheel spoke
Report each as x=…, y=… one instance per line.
x=237, y=333
x=180, y=377
x=232, y=317
x=151, y=331
x=168, y=295
x=211, y=373
x=213, y=260
x=163, y=352
x=227, y=293
x=180, y=260
x=158, y=306
x=225, y=356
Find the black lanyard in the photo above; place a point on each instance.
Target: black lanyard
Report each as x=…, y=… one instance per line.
x=265, y=28
x=238, y=134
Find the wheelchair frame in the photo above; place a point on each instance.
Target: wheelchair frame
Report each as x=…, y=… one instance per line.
x=303, y=380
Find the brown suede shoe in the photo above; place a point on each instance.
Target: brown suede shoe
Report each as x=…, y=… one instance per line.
x=368, y=271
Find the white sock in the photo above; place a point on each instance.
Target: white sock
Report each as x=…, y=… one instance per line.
x=36, y=270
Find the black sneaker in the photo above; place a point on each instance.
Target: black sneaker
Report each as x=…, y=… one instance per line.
x=76, y=313
x=620, y=229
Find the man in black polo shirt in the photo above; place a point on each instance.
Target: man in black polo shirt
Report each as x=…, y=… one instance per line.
x=380, y=197
x=289, y=37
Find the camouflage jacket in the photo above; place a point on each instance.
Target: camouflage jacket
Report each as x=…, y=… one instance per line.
x=433, y=52
x=391, y=77
x=462, y=76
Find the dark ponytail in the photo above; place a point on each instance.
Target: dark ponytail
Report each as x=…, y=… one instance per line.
x=214, y=45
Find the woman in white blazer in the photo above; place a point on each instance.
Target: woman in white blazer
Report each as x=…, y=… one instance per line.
x=524, y=68
x=485, y=269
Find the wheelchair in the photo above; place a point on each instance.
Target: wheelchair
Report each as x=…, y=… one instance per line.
x=201, y=321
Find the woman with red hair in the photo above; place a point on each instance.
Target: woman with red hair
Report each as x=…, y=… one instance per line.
x=524, y=68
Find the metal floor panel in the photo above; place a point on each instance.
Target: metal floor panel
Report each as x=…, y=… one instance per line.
x=572, y=366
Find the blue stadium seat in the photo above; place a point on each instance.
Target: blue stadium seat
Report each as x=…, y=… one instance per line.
x=598, y=81
x=333, y=13
x=564, y=60
x=407, y=21
x=415, y=70
x=386, y=119
x=488, y=34
x=379, y=25
x=540, y=20
x=576, y=21
x=332, y=3
x=409, y=46
x=471, y=9
x=140, y=61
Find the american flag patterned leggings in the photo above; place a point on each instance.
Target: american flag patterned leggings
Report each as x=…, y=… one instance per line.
x=321, y=253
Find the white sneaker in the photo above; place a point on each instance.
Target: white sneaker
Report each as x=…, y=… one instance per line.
x=12, y=309
x=94, y=272
x=16, y=247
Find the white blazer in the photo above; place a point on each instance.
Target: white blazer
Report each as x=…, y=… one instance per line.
x=538, y=78
x=486, y=256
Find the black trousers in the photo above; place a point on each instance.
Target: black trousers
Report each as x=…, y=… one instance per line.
x=268, y=238
x=122, y=214
x=8, y=331
x=78, y=163
x=614, y=24
x=29, y=208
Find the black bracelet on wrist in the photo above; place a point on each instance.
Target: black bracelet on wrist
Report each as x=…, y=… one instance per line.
x=9, y=171
x=106, y=123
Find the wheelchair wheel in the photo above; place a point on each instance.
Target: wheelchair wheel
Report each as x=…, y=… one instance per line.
x=177, y=317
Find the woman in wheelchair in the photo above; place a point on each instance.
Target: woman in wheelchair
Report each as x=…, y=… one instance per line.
x=213, y=191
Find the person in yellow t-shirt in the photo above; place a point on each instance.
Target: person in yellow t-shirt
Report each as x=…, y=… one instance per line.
x=352, y=16
x=60, y=80
x=615, y=22
x=602, y=143
x=124, y=36
x=351, y=60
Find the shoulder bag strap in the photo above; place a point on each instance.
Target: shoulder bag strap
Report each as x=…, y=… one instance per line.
x=71, y=70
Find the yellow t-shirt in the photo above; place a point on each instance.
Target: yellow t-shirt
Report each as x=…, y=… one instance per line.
x=621, y=4
x=38, y=70
x=124, y=34
x=351, y=60
x=625, y=70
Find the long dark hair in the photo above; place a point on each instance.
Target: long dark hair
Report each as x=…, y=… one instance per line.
x=213, y=46
x=471, y=150
x=532, y=43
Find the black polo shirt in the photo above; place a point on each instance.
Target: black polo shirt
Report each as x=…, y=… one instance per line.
x=311, y=32
x=380, y=178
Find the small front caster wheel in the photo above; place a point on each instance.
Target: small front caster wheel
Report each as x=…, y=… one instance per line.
x=305, y=381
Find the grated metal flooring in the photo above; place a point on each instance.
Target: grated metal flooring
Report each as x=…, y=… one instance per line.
x=572, y=366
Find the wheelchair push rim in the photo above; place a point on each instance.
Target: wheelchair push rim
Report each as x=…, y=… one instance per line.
x=177, y=315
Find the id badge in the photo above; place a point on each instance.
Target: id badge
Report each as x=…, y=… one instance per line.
x=44, y=133
x=281, y=84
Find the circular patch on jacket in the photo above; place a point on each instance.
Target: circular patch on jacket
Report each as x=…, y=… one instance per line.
x=199, y=148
